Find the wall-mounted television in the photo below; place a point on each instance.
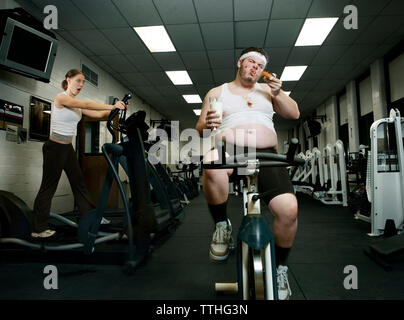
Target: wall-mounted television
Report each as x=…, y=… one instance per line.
x=26, y=50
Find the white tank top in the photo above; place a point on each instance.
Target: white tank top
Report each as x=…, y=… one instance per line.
x=64, y=120
x=254, y=108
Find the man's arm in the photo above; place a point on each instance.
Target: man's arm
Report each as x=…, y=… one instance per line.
x=207, y=118
x=284, y=105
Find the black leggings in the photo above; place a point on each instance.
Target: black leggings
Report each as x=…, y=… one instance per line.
x=58, y=157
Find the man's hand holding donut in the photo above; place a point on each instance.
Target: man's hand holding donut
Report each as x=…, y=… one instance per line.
x=273, y=82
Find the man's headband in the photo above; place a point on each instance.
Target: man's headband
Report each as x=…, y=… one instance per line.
x=255, y=54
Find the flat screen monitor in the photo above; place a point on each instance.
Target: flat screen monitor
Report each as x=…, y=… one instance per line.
x=27, y=51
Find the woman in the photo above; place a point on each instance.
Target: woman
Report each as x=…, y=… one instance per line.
x=58, y=152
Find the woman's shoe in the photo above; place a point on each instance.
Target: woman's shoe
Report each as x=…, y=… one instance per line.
x=44, y=234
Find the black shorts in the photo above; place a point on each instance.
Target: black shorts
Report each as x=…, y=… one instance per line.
x=274, y=180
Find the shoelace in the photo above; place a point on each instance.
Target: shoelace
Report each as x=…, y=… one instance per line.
x=218, y=236
x=282, y=278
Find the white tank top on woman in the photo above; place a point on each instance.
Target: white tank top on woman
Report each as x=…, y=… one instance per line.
x=64, y=120
x=254, y=108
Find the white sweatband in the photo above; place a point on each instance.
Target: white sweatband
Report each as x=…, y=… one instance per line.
x=255, y=54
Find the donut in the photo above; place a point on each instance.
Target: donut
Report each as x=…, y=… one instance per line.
x=267, y=75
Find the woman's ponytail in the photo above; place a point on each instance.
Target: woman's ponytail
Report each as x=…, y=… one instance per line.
x=70, y=74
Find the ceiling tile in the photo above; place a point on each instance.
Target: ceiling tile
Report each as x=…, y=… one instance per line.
x=364, y=9
x=139, y=13
x=126, y=40
x=144, y=62
x=395, y=7
x=135, y=79
x=245, y=38
x=66, y=35
x=186, y=37
x=188, y=89
x=283, y=33
x=305, y=85
x=168, y=90
x=290, y=9
x=223, y=75
x=101, y=64
x=395, y=37
x=203, y=89
x=214, y=11
x=197, y=60
x=201, y=76
x=252, y=9
x=328, y=55
x=218, y=35
x=158, y=78
x=302, y=56
x=221, y=59
x=339, y=72
x=379, y=29
x=176, y=11
x=169, y=61
x=146, y=91
x=355, y=54
x=326, y=8
x=315, y=72
x=102, y=13
x=96, y=41
x=341, y=36
x=298, y=95
x=277, y=56
x=119, y=63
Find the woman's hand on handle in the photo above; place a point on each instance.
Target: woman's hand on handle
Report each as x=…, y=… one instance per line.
x=120, y=105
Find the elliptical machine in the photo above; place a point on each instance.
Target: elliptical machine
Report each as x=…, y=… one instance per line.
x=15, y=216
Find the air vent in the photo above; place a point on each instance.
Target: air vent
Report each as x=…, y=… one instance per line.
x=90, y=75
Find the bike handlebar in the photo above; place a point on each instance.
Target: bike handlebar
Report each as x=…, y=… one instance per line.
x=272, y=159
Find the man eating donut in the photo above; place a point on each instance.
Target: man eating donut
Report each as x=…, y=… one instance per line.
x=248, y=108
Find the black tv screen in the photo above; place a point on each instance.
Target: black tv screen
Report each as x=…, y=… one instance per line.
x=29, y=49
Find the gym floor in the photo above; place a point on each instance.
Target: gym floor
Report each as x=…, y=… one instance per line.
x=328, y=240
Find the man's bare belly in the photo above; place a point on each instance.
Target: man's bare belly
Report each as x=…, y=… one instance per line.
x=250, y=135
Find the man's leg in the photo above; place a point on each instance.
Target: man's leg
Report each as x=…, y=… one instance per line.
x=285, y=208
x=216, y=190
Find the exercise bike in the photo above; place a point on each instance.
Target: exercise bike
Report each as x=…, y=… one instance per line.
x=256, y=268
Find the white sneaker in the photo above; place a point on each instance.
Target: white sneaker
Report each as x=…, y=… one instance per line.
x=44, y=234
x=284, y=291
x=222, y=241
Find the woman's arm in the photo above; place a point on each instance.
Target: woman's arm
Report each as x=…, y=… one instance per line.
x=96, y=114
x=69, y=102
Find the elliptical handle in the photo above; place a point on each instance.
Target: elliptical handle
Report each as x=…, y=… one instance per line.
x=123, y=113
x=122, y=117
